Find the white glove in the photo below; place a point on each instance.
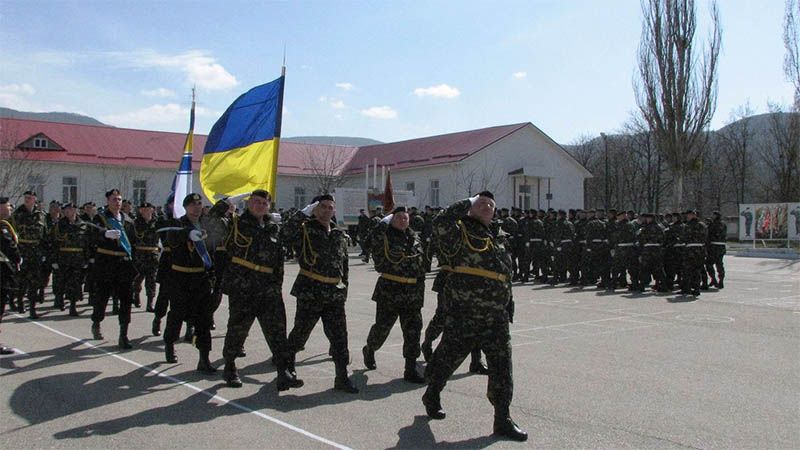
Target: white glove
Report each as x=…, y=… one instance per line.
x=308, y=210
x=613, y=252
x=197, y=235
x=387, y=219
x=44, y=258
x=276, y=217
x=472, y=200
x=54, y=266
x=91, y=260
x=113, y=234
x=527, y=245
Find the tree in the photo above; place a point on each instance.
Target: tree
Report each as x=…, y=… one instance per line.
x=791, y=36
x=676, y=90
x=737, y=140
x=781, y=155
x=327, y=164
x=17, y=170
x=469, y=179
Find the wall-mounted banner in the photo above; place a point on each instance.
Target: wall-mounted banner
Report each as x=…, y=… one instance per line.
x=769, y=221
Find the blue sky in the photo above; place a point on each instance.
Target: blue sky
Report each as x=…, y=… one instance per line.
x=380, y=69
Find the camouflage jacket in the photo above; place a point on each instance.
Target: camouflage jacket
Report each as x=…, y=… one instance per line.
x=145, y=242
x=717, y=231
x=10, y=258
x=31, y=228
x=673, y=235
x=400, y=260
x=480, y=285
x=70, y=243
x=624, y=233
x=111, y=259
x=650, y=233
x=596, y=232
x=183, y=251
x=535, y=231
x=580, y=231
x=694, y=232
x=417, y=223
x=564, y=231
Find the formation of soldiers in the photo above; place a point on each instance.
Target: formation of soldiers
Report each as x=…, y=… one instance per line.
x=185, y=264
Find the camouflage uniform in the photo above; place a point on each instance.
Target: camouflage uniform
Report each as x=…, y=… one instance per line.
x=673, y=254
x=650, y=237
x=597, y=247
x=145, y=258
x=625, y=254
x=695, y=235
x=47, y=267
x=9, y=263
x=563, y=235
x=536, y=248
x=320, y=287
x=69, y=242
x=163, y=274
x=363, y=235
x=479, y=297
x=31, y=230
x=717, y=234
x=399, y=291
x=580, y=249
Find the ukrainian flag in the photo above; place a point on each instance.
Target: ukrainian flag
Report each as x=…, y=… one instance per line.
x=241, y=153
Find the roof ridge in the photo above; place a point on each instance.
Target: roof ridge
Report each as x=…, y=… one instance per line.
x=516, y=126
x=103, y=127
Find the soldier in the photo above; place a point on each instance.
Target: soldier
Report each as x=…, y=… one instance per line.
x=9, y=261
x=717, y=234
x=69, y=242
x=52, y=217
x=624, y=255
x=363, y=234
x=192, y=271
x=114, y=270
x=164, y=273
x=399, y=291
x=650, y=237
x=253, y=281
x=561, y=234
x=695, y=235
x=145, y=255
x=88, y=211
x=480, y=308
x=30, y=224
x=597, y=243
x=321, y=285
x=748, y=221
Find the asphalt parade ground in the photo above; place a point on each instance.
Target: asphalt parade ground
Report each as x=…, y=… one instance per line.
x=591, y=370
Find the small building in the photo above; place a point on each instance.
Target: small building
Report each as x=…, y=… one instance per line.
x=67, y=162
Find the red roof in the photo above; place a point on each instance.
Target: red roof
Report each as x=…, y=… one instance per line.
x=93, y=144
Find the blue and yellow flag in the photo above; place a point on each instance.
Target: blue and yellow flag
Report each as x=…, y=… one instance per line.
x=241, y=152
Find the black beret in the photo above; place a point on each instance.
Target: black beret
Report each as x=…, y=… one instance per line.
x=68, y=205
x=590, y=211
x=715, y=213
x=146, y=205
x=486, y=194
x=399, y=209
x=193, y=197
x=600, y=210
x=88, y=204
x=55, y=202
x=3, y=200
x=691, y=211
x=29, y=193
x=621, y=213
x=572, y=211
x=112, y=192
x=562, y=212
x=612, y=210
x=126, y=201
x=632, y=212
x=261, y=193
x=323, y=197
x=170, y=198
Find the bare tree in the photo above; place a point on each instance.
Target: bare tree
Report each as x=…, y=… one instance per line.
x=587, y=153
x=782, y=155
x=737, y=140
x=327, y=164
x=676, y=90
x=471, y=179
x=791, y=36
x=17, y=169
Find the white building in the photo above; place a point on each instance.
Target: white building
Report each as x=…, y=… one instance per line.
x=68, y=162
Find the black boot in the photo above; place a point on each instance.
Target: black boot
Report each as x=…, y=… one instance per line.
x=342, y=382
x=150, y=304
x=203, y=364
x=59, y=303
x=189, y=333
x=504, y=426
x=476, y=365
x=124, y=343
x=287, y=379
x=169, y=353
x=369, y=358
x=73, y=311
x=410, y=374
x=20, y=305
x=96, y=333
x=32, y=312
x=115, y=307
x=156, y=327
x=231, y=375
x=433, y=405
x=721, y=283
x=427, y=350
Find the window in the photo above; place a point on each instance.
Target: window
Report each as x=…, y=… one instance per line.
x=435, y=193
x=39, y=143
x=299, y=197
x=36, y=184
x=139, y=192
x=69, y=190
x=524, y=197
x=410, y=186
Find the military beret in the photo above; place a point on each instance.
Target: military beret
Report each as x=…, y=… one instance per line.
x=399, y=209
x=146, y=205
x=88, y=204
x=323, y=197
x=612, y=210
x=621, y=213
x=68, y=205
x=572, y=211
x=715, y=213
x=600, y=210
x=542, y=211
x=191, y=198
x=413, y=208
x=170, y=198
x=3, y=200
x=648, y=214
x=55, y=202
x=591, y=211
x=29, y=193
x=562, y=212
x=631, y=212
x=261, y=193
x=486, y=194
x=112, y=192
x=691, y=211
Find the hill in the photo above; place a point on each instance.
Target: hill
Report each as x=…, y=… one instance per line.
x=62, y=117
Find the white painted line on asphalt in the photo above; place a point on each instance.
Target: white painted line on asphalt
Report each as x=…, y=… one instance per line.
x=590, y=322
x=197, y=389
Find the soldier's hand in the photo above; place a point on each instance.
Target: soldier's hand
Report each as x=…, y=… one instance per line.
x=113, y=234
x=308, y=210
x=54, y=266
x=197, y=235
x=387, y=219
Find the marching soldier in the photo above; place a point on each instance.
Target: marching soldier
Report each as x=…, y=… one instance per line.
x=673, y=251
x=51, y=219
x=9, y=261
x=480, y=308
x=624, y=254
x=191, y=270
x=651, y=240
x=30, y=224
x=164, y=272
x=400, y=290
x=717, y=234
x=88, y=211
x=563, y=235
x=695, y=235
x=145, y=255
x=597, y=247
x=113, y=269
x=69, y=242
x=253, y=281
x=363, y=234
x=321, y=285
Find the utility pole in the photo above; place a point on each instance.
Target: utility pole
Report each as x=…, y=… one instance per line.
x=605, y=175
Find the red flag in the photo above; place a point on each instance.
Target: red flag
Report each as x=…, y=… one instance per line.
x=388, y=194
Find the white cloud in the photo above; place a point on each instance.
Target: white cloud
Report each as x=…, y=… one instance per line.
x=158, y=116
x=323, y=99
x=519, y=75
x=17, y=96
x=379, y=112
x=17, y=89
x=159, y=92
x=200, y=68
x=440, y=91
x=339, y=117
x=336, y=104
x=345, y=86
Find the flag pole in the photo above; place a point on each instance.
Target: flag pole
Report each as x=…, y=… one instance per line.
x=273, y=180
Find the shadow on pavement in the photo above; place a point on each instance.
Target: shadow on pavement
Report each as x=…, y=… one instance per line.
x=419, y=435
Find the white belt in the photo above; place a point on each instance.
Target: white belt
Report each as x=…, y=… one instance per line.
x=625, y=244
x=535, y=240
x=597, y=240
x=566, y=240
x=583, y=241
x=718, y=243
x=680, y=245
x=695, y=244
x=652, y=244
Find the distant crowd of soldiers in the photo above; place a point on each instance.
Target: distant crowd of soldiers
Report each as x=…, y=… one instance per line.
x=113, y=253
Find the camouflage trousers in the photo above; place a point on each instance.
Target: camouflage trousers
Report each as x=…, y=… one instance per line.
x=672, y=266
x=625, y=260
x=191, y=302
x=334, y=324
x=463, y=333
x=67, y=282
x=271, y=316
x=599, y=263
x=147, y=266
x=538, y=256
x=29, y=276
x=386, y=315
x=652, y=267
x=714, y=261
x=436, y=325
x=693, y=260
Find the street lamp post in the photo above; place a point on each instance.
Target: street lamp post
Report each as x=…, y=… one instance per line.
x=605, y=175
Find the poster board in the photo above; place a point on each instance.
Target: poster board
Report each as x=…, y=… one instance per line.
x=769, y=221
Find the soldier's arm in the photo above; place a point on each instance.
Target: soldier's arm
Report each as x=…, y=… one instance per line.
x=345, y=263
x=445, y=225
x=377, y=250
